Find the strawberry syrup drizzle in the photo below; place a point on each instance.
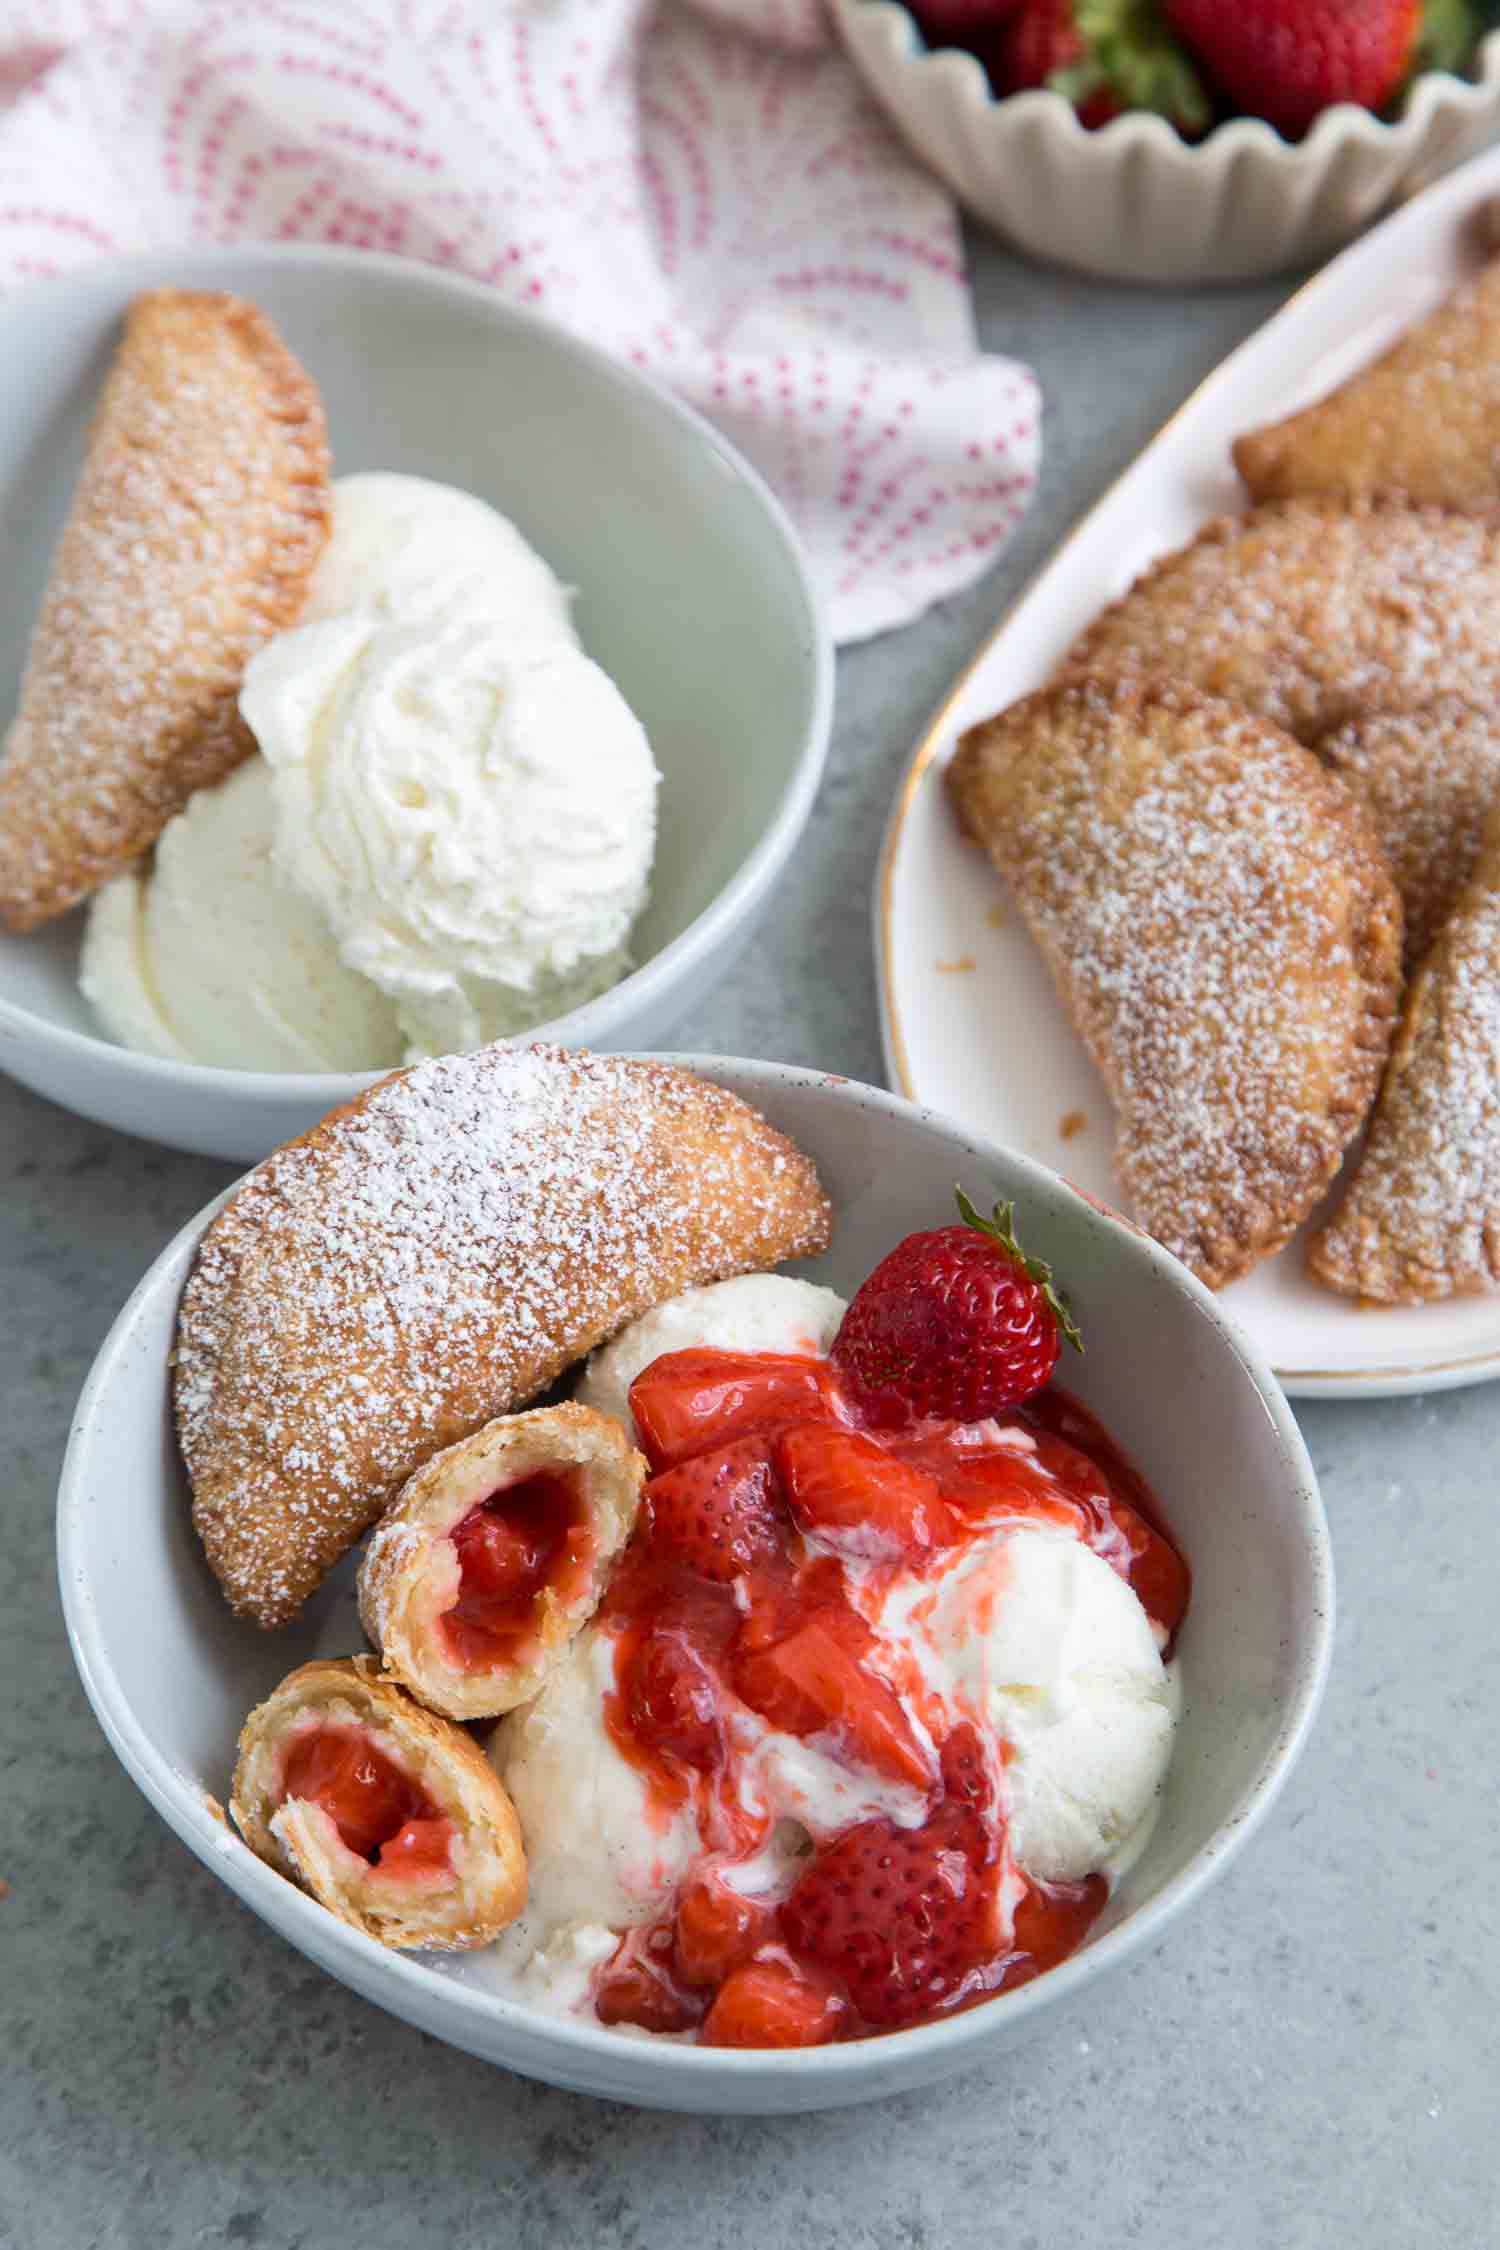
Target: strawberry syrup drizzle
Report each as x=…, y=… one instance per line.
x=526, y=1538
x=720, y=1602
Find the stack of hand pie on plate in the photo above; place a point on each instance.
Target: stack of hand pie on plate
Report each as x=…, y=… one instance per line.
x=364, y=1319
x=1254, y=827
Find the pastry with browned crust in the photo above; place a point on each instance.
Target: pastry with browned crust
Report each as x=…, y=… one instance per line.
x=1428, y=779
x=1313, y=614
x=495, y=1554
x=1422, y=422
x=199, y=516
x=1222, y=931
x=393, y=1818
x=434, y=1254
x=1421, y=1217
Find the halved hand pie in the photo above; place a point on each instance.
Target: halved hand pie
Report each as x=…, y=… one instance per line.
x=1312, y=614
x=199, y=516
x=434, y=1254
x=1222, y=931
x=496, y=1552
x=393, y=1818
x=1421, y=423
x=1421, y=1216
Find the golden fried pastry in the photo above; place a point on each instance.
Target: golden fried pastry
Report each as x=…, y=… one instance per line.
x=436, y=1253
x=1313, y=615
x=200, y=513
x=1421, y=1216
x=1421, y=423
x=393, y=1818
x=1428, y=779
x=494, y=1555
x=1222, y=931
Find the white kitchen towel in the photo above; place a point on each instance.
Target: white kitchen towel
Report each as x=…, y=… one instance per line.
x=703, y=189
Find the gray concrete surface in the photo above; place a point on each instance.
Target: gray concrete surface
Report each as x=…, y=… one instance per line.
x=1312, y=2059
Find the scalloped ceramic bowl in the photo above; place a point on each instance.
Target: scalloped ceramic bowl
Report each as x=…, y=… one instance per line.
x=692, y=592
x=171, y=1673
x=1134, y=201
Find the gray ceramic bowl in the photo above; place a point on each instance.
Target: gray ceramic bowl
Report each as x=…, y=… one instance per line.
x=691, y=592
x=171, y=1673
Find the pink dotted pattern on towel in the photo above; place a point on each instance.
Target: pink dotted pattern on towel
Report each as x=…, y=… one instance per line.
x=703, y=189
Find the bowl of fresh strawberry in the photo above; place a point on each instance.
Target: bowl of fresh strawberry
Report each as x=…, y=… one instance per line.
x=1181, y=140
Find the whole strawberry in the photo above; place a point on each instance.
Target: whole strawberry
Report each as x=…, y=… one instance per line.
x=958, y=1323
x=1288, y=60
x=1103, y=56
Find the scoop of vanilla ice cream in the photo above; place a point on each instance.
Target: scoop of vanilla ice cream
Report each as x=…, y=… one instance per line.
x=412, y=551
x=473, y=814
x=597, y=1850
x=1035, y=1631
x=759, y=1312
x=204, y=955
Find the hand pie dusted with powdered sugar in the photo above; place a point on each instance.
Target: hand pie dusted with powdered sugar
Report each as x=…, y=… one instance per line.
x=494, y=1555
x=1427, y=779
x=1420, y=1219
x=435, y=1254
x=1312, y=614
x=200, y=514
x=1422, y=422
x=391, y=1817
x=1223, y=933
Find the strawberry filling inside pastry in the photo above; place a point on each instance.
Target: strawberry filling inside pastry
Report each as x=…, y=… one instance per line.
x=381, y=1814
x=529, y=1537
x=791, y=1557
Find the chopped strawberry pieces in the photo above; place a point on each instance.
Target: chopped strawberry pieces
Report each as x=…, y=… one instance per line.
x=365, y=1794
x=421, y=1847
x=686, y=1401
x=858, y=1497
x=906, y=1918
x=817, y=1681
x=527, y=1536
x=636, y=1985
x=672, y=1701
x=770, y=2004
x=717, y=1928
x=720, y=1513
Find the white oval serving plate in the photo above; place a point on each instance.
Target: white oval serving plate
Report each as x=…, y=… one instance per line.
x=970, y=1020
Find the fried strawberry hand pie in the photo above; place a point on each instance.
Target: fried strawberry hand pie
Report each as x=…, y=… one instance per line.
x=494, y=1555
x=436, y=1254
x=1239, y=997
x=198, y=521
x=389, y=1815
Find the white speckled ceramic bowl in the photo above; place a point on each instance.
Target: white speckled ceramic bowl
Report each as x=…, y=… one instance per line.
x=691, y=592
x=1134, y=201
x=171, y=1673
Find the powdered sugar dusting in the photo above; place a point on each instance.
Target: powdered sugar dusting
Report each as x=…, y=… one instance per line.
x=1217, y=921
x=1313, y=615
x=1428, y=779
x=434, y=1256
x=1422, y=1215
x=198, y=519
x=1419, y=423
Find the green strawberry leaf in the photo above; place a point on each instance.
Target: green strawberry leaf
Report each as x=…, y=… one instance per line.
x=1001, y=1229
x=1450, y=32
x=1131, y=56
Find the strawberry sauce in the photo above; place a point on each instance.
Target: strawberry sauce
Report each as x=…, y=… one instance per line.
x=381, y=1814
x=529, y=1536
x=772, y=1529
